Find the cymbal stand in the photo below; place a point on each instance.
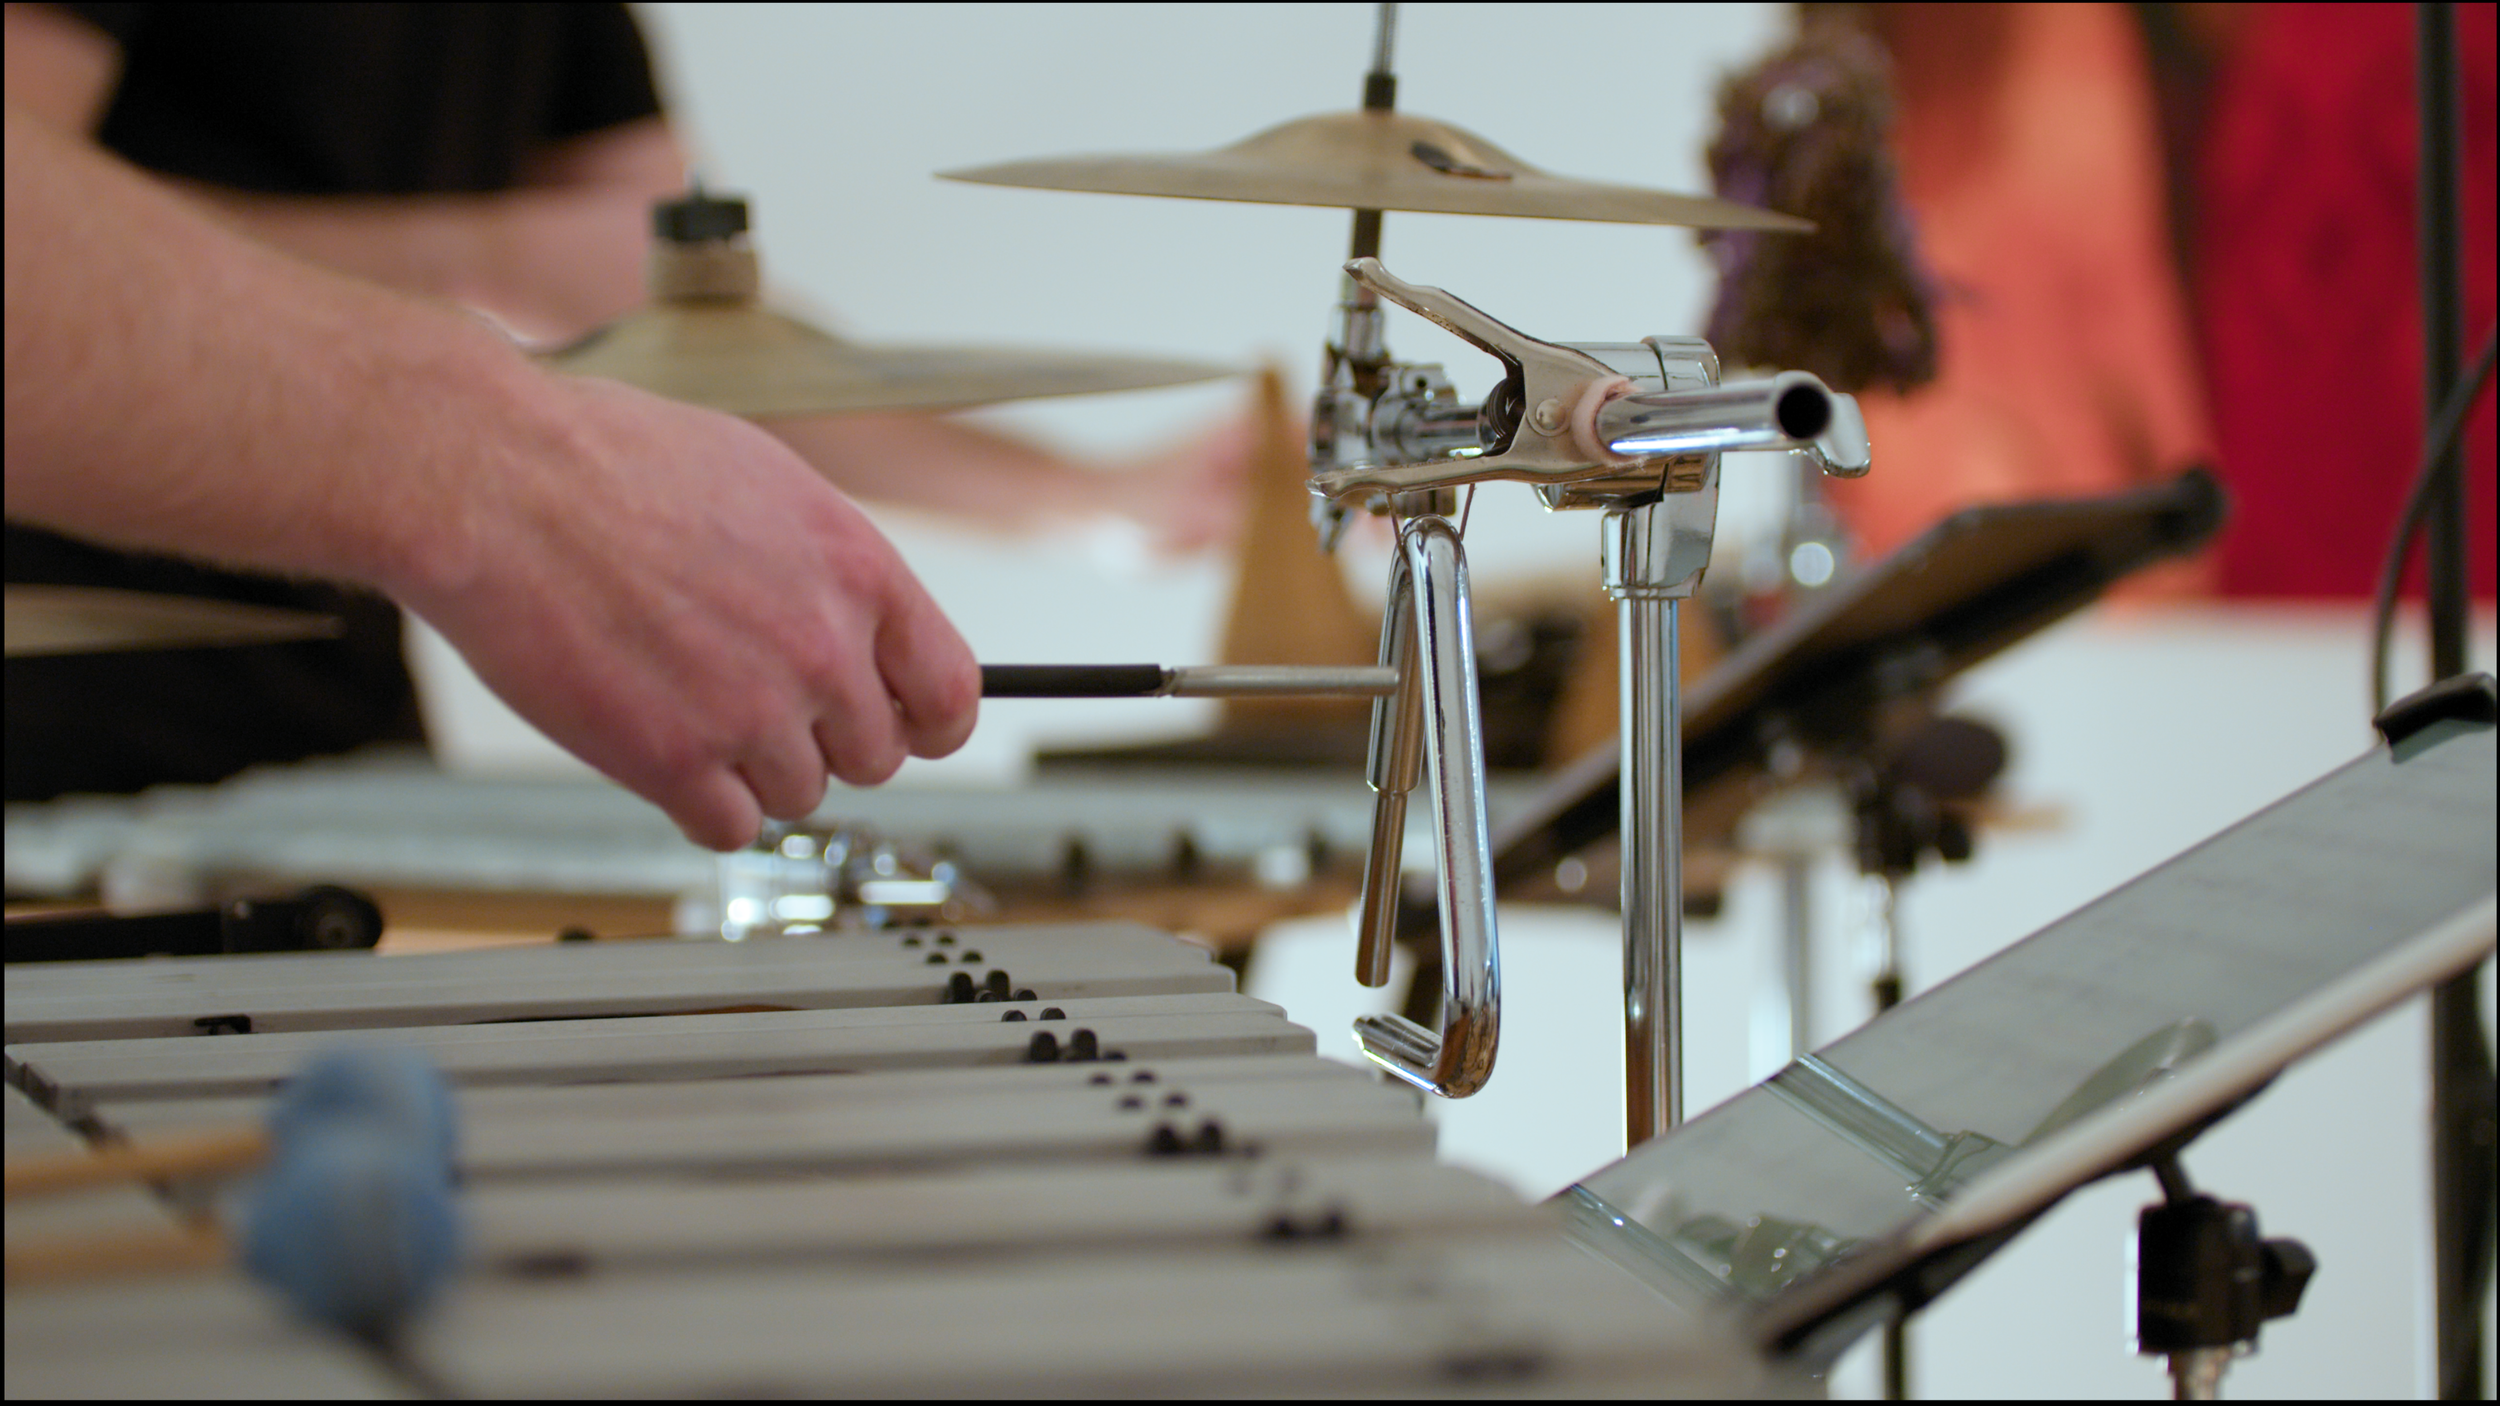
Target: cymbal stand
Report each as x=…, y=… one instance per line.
x=1634, y=430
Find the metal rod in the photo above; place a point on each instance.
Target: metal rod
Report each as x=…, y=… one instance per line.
x=2461, y=1071
x=1380, y=94
x=1393, y=766
x=1886, y=990
x=1188, y=681
x=1653, y=869
x=1797, y=952
x=2444, y=531
x=1457, y=1061
x=1883, y=920
x=1786, y=411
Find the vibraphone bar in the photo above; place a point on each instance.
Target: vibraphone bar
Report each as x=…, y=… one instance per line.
x=855, y=1163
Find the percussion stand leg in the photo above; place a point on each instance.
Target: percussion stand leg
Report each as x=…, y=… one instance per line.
x=1653, y=557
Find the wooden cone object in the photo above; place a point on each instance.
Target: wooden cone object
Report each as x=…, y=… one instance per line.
x=1586, y=715
x=1290, y=603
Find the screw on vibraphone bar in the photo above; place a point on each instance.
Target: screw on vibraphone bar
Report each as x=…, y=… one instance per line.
x=1130, y=1103
x=1176, y=1099
x=1099, y=1079
x=936, y=959
x=1142, y=1076
x=997, y=982
x=1025, y=993
x=946, y=939
x=958, y=989
x=1010, y=1015
x=1053, y=1013
x=1043, y=1048
x=1210, y=1138
x=1082, y=1045
x=911, y=940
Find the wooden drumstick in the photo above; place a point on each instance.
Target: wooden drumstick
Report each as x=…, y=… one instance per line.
x=157, y=1250
x=351, y=1217
x=191, y=1154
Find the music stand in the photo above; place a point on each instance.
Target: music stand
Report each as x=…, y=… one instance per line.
x=1865, y=1179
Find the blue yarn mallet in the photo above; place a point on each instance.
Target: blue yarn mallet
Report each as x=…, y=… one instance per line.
x=354, y=1221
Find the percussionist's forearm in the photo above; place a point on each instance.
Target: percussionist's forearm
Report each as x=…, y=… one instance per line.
x=551, y=258
x=922, y=461
x=173, y=386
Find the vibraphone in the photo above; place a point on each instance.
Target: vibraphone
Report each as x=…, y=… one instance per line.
x=1061, y=1160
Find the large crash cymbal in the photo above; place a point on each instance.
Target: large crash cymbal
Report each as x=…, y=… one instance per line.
x=94, y=620
x=1384, y=160
x=743, y=358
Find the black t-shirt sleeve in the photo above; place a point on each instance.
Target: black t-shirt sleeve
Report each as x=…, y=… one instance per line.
x=365, y=99
x=606, y=73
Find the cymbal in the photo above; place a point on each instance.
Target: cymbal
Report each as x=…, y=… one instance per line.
x=1368, y=160
x=740, y=357
x=92, y=619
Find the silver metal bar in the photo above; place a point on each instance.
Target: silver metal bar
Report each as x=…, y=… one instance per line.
x=1653, y=870
x=1653, y=556
x=1277, y=681
x=1189, y=681
x=1385, y=37
x=1788, y=411
x=1395, y=764
x=1797, y=951
x=1458, y=1061
x=1417, y=434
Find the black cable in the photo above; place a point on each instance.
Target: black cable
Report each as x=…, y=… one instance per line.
x=2445, y=427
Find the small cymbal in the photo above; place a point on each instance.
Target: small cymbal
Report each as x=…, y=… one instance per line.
x=708, y=339
x=1369, y=160
x=740, y=357
x=92, y=619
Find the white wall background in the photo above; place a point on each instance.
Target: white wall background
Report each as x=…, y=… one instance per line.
x=2151, y=729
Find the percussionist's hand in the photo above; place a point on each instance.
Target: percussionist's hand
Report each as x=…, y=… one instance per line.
x=683, y=603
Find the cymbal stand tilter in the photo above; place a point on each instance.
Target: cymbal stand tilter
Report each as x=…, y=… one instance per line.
x=1634, y=430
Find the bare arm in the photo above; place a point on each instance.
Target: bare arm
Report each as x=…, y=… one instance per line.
x=669, y=593
x=551, y=259
x=1188, y=495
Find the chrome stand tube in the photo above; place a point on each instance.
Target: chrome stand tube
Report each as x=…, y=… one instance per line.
x=1396, y=764
x=1797, y=951
x=1431, y=580
x=1653, y=557
x=1653, y=872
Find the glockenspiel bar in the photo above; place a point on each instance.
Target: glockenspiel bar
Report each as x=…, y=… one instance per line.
x=1507, y=1313
x=670, y=1047
x=1312, y=1109
x=338, y=991
x=915, y=1207
x=789, y=1094
x=1166, y=1206
x=197, y=1337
